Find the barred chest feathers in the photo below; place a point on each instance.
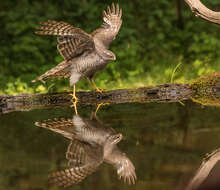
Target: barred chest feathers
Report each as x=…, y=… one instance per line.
x=86, y=66
x=90, y=62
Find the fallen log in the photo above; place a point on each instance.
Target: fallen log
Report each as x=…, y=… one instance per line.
x=200, y=10
x=159, y=93
x=204, y=90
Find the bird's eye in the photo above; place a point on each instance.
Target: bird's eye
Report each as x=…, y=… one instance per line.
x=118, y=137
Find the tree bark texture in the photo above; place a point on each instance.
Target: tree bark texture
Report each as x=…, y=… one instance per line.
x=200, y=10
x=160, y=93
x=180, y=23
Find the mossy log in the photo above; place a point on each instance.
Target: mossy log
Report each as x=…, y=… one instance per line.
x=159, y=93
x=207, y=89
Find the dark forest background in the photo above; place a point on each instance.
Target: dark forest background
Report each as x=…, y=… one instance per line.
x=155, y=38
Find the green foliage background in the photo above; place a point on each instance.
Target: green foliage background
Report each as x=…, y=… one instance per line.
x=151, y=43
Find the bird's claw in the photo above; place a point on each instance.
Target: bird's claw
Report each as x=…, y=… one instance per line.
x=74, y=98
x=74, y=103
x=99, y=90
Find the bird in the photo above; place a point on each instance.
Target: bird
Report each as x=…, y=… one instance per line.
x=84, y=54
x=91, y=144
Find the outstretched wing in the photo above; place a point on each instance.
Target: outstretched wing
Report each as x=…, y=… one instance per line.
x=126, y=171
x=80, y=153
x=112, y=23
x=68, y=177
x=70, y=47
x=76, y=154
x=72, y=41
x=52, y=27
x=125, y=168
x=62, y=126
x=84, y=159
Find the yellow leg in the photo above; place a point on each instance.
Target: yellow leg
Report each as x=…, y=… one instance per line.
x=96, y=88
x=75, y=107
x=74, y=99
x=98, y=106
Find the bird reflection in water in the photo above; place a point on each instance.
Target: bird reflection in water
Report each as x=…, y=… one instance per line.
x=91, y=144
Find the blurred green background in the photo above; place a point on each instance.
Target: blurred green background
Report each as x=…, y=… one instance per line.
x=155, y=37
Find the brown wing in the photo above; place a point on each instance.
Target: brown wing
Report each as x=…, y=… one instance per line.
x=62, y=126
x=125, y=168
x=126, y=171
x=84, y=159
x=73, y=41
x=70, y=47
x=112, y=23
x=52, y=27
x=75, y=154
x=68, y=177
x=62, y=70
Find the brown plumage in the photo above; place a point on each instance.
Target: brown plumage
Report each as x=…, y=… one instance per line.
x=91, y=144
x=84, y=54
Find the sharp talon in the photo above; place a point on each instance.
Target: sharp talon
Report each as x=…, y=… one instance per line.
x=74, y=99
x=99, y=91
x=96, y=88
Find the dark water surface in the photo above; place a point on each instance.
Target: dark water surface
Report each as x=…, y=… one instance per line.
x=165, y=141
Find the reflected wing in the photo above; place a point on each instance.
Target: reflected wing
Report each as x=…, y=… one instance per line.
x=72, y=41
x=68, y=177
x=62, y=126
x=84, y=159
x=112, y=23
x=76, y=154
x=125, y=169
x=80, y=153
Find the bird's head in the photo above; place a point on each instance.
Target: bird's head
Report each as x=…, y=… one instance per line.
x=111, y=56
x=108, y=55
x=115, y=139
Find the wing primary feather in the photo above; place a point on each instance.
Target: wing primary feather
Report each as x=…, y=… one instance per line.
x=108, y=10
x=113, y=8
x=120, y=13
x=117, y=9
x=111, y=25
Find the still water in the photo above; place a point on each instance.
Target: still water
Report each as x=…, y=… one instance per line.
x=165, y=142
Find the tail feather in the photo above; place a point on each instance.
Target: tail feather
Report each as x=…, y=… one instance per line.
x=58, y=125
x=74, y=175
x=62, y=70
